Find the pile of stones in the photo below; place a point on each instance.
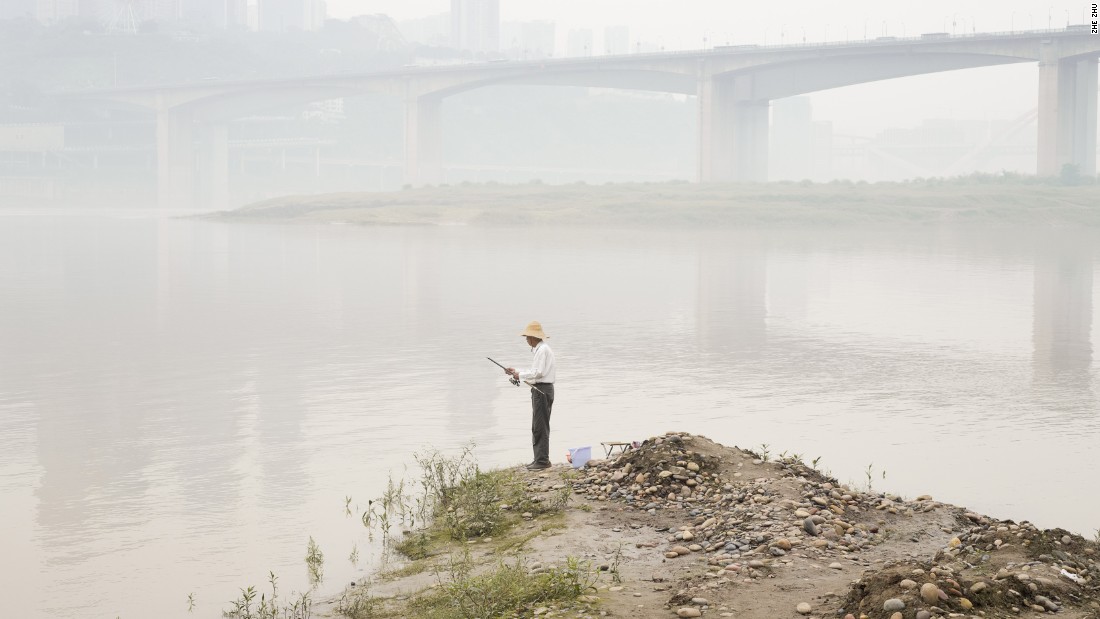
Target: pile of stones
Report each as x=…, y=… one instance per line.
x=739, y=515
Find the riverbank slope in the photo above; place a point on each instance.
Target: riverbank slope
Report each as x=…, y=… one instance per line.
x=685, y=527
x=694, y=205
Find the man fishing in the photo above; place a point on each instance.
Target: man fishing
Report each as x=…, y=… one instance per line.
x=541, y=378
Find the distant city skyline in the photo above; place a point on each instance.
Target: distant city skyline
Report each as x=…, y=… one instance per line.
x=683, y=25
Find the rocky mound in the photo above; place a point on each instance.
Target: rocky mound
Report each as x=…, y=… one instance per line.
x=756, y=527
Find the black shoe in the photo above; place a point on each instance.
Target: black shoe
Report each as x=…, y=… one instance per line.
x=535, y=466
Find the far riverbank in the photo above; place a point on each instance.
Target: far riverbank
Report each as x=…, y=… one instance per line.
x=684, y=205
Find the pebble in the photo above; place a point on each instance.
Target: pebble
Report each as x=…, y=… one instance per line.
x=836, y=566
x=978, y=587
x=929, y=593
x=924, y=614
x=893, y=604
x=700, y=601
x=811, y=528
x=907, y=584
x=687, y=611
x=897, y=616
x=804, y=608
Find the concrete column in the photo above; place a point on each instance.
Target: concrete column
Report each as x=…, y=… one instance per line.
x=175, y=160
x=213, y=165
x=423, y=141
x=1084, y=121
x=1067, y=113
x=751, y=134
x=733, y=131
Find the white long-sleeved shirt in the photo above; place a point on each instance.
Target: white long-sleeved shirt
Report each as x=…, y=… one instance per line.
x=542, y=367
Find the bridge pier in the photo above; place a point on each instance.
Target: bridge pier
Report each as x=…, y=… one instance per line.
x=423, y=141
x=213, y=165
x=1067, y=113
x=733, y=131
x=175, y=159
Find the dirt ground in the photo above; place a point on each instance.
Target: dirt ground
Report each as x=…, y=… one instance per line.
x=683, y=526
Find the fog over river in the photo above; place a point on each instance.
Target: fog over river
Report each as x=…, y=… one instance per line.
x=183, y=404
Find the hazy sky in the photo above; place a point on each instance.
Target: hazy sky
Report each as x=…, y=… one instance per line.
x=690, y=20
x=1003, y=92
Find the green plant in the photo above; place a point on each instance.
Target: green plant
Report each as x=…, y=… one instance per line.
x=190, y=602
x=814, y=462
x=764, y=452
x=315, y=562
x=509, y=588
x=268, y=608
x=354, y=556
x=356, y=604
x=867, y=473
x=616, y=560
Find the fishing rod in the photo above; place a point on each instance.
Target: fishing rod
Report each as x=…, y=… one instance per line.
x=515, y=381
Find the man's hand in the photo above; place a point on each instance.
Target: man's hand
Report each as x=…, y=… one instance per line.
x=511, y=372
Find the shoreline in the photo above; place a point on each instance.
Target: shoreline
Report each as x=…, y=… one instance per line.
x=685, y=527
x=683, y=205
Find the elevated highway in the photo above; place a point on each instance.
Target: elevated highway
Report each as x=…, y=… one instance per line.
x=733, y=86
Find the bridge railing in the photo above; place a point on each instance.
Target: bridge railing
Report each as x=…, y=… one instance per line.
x=883, y=40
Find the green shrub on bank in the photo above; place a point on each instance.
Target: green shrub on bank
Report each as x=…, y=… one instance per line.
x=458, y=501
x=506, y=589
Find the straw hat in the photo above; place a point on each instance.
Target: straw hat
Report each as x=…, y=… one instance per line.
x=534, y=329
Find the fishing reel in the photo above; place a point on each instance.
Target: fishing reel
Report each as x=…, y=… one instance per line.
x=513, y=380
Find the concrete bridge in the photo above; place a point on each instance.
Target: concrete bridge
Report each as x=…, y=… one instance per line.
x=733, y=85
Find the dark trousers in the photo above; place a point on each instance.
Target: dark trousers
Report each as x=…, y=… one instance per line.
x=540, y=421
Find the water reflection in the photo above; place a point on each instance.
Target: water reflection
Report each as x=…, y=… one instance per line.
x=193, y=395
x=731, y=300
x=1063, y=313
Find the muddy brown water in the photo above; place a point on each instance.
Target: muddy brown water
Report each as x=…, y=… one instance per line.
x=183, y=404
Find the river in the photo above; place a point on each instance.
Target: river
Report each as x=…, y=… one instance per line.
x=185, y=403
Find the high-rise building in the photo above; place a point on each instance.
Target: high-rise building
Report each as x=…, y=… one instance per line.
x=579, y=43
x=11, y=9
x=616, y=40
x=50, y=11
x=290, y=15
x=434, y=30
x=528, y=39
x=475, y=25
x=162, y=11
x=215, y=13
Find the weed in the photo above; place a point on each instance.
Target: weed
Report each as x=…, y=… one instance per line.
x=315, y=562
x=616, y=560
x=190, y=602
x=354, y=556
x=268, y=608
x=764, y=452
x=356, y=604
x=505, y=590
x=814, y=462
x=790, y=459
x=868, y=473
x=347, y=506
